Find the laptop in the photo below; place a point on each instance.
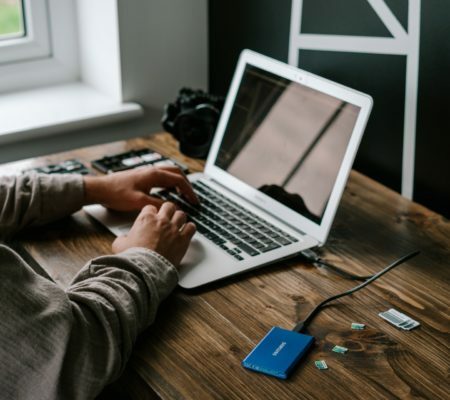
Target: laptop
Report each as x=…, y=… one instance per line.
x=275, y=173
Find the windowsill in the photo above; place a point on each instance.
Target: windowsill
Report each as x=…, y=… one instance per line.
x=58, y=109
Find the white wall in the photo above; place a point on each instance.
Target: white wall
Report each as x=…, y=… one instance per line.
x=164, y=46
x=100, y=58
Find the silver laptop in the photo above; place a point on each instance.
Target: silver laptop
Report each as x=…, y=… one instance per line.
x=278, y=165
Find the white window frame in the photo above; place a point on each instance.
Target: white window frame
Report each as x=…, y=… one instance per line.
x=79, y=84
x=46, y=54
x=36, y=41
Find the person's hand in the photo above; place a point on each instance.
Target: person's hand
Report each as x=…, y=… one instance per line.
x=130, y=190
x=164, y=231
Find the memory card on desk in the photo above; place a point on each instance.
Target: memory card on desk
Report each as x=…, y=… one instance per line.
x=72, y=166
x=399, y=319
x=134, y=159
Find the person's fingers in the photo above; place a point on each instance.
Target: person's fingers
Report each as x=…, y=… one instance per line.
x=179, y=218
x=174, y=169
x=146, y=213
x=149, y=209
x=142, y=200
x=183, y=185
x=188, y=230
x=158, y=174
x=167, y=210
x=167, y=179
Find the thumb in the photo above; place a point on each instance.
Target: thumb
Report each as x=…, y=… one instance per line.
x=118, y=244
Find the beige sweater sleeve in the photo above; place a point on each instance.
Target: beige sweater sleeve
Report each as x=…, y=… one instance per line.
x=57, y=344
x=34, y=199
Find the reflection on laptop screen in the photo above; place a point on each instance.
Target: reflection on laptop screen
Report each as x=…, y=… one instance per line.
x=287, y=140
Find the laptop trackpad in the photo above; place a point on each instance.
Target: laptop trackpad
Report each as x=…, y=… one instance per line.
x=195, y=253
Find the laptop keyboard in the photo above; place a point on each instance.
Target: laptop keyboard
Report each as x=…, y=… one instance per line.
x=228, y=225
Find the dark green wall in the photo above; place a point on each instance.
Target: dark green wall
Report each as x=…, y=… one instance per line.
x=264, y=25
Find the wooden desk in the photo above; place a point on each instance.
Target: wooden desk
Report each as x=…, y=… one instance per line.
x=196, y=345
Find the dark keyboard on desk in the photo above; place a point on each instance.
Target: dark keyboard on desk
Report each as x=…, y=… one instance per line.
x=230, y=226
x=134, y=159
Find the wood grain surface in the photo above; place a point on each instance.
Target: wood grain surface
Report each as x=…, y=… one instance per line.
x=195, y=347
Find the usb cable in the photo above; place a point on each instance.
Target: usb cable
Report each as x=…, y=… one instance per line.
x=301, y=326
x=314, y=258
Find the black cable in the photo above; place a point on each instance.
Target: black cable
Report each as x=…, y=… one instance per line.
x=313, y=257
x=302, y=325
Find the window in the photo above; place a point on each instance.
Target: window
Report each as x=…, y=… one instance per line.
x=25, y=27
x=11, y=19
x=35, y=38
x=59, y=67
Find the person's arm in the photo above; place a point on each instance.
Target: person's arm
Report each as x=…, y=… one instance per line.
x=70, y=344
x=35, y=199
x=116, y=297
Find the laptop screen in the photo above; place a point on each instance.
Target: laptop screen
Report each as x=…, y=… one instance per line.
x=286, y=140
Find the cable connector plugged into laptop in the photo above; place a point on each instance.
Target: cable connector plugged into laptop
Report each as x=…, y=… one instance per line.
x=314, y=258
x=310, y=255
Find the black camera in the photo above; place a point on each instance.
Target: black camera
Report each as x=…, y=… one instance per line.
x=192, y=119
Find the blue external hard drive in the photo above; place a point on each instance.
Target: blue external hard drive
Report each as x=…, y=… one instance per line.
x=278, y=352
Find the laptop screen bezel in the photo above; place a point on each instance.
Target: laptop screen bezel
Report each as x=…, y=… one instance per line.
x=283, y=213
